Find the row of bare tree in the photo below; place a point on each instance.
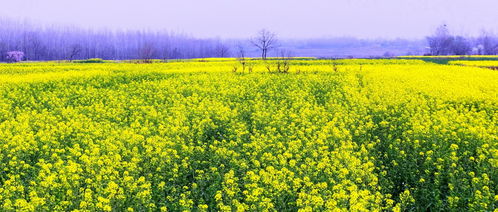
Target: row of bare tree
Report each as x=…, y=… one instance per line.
x=442, y=42
x=34, y=42
x=70, y=43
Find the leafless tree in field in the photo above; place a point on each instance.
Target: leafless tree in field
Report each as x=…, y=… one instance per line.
x=35, y=46
x=166, y=53
x=146, y=52
x=176, y=54
x=241, y=58
x=241, y=51
x=441, y=42
x=487, y=44
x=283, y=62
x=221, y=50
x=461, y=46
x=265, y=41
x=74, y=50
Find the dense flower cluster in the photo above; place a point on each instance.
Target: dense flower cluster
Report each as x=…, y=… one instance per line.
x=345, y=135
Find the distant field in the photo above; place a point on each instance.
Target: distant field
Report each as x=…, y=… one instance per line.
x=209, y=135
x=450, y=59
x=454, y=56
x=487, y=63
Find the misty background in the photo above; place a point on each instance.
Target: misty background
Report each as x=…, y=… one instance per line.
x=121, y=29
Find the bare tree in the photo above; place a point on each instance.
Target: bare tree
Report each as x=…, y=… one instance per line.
x=34, y=46
x=441, y=42
x=487, y=44
x=146, y=53
x=265, y=41
x=241, y=51
x=461, y=46
x=221, y=50
x=74, y=50
x=3, y=51
x=176, y=54
x=281, y=64
x=241, y=58
x=166, y=53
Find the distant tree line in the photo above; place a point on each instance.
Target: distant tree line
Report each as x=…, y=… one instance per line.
x=442, y=42
x=26, y=41
x=70, y=43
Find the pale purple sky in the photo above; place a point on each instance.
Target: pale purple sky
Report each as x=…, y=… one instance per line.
x=288, y=18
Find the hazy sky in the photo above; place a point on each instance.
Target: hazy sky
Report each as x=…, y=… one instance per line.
x=288, y=18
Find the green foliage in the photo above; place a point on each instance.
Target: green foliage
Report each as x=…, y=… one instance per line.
x=92, y=60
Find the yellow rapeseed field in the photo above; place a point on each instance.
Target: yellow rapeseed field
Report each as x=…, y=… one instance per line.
x=330, y=135
x=479, y=63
